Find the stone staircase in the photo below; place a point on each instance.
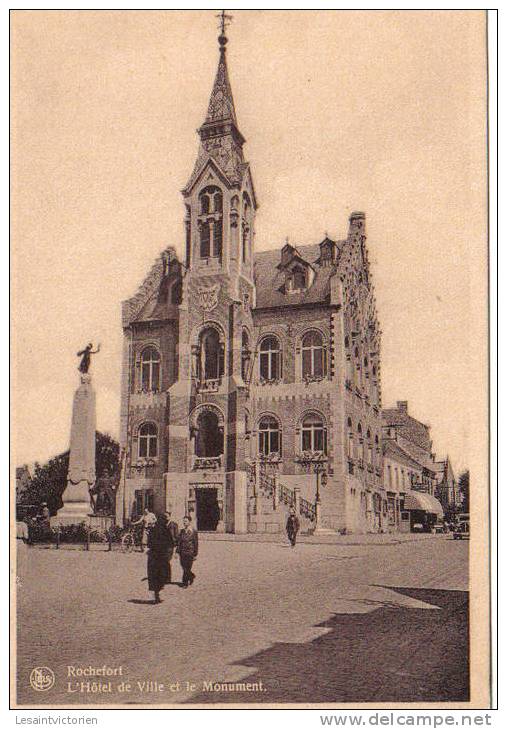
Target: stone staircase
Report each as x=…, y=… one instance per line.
x=271, y=502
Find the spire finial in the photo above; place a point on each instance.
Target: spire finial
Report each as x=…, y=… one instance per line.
x=224, y=21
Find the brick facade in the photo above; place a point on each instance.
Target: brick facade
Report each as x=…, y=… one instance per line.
x=239, y=363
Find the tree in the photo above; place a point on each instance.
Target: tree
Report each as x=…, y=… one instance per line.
x=464, y=487
x=49, y=480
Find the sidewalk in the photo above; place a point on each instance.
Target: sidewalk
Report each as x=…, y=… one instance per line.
x=347, y=540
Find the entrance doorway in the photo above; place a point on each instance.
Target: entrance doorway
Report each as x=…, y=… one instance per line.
x=207, y=509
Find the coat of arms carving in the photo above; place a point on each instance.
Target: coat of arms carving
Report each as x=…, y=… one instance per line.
x=208, y=298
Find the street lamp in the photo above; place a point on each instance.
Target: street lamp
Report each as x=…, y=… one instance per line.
x=315, y=463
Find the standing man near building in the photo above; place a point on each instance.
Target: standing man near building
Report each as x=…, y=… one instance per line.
x=292, y=527
x=173, y=530
x=188, y=546
x=148, y=521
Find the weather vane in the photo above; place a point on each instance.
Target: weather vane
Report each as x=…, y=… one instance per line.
x=225, y=20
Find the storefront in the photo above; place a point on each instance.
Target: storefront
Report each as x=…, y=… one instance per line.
x=425, y=510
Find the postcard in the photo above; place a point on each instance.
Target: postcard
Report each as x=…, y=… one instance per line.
x=250, y=336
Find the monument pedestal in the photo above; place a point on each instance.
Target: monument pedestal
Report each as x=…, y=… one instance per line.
x=76, y=505
x=81, y=477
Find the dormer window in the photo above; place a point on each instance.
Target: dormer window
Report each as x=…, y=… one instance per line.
x=297, y=279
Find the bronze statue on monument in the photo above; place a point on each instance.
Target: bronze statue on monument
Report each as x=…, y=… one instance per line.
x=85, y=355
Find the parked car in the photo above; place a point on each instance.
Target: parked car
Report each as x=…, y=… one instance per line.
x=462, y=530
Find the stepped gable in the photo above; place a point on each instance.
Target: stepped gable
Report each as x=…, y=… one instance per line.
x=132, y=308
x=270, y=279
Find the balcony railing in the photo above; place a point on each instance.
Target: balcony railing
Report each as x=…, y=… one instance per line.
x=206, y=462
x=205, y=386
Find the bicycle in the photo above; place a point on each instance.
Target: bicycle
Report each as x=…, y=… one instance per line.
x=131, y=539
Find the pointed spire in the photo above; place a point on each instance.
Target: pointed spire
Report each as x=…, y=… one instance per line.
x=221, y=103
x=221, y=139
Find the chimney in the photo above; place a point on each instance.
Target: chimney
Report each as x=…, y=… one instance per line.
x=356, y=224
x=402, y=406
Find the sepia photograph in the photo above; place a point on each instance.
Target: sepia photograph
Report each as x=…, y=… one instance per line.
x=249, y=346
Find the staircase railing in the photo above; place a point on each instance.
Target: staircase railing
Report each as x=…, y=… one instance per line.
x=287, y=496
x=307, y=509
x=269, y=486
x=267, y=483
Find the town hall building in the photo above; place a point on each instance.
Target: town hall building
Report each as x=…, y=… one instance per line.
x=251, y=379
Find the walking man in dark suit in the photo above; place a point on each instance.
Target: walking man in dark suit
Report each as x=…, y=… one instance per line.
x=188, y=546
x=292, y=527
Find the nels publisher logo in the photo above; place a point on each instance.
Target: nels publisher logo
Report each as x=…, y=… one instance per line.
x=42, y=678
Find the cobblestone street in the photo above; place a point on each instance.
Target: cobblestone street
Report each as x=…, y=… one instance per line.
x=318, y=623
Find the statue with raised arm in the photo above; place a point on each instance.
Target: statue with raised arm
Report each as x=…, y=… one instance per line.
x=85, y=355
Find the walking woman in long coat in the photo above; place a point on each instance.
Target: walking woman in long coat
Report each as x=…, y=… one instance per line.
x=160, y=542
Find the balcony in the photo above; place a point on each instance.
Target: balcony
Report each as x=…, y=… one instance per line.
x=206, y=463
x=308, y=379
x=207, y=386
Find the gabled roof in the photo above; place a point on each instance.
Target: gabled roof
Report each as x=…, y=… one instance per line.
x=391, y=449
x=409, y=427
x=270, y=280
x=203, y=161
x=145, y=301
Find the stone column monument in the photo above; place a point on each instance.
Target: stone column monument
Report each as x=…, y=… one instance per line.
x=77, y=503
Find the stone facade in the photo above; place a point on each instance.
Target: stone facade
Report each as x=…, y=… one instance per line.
x=251, y=375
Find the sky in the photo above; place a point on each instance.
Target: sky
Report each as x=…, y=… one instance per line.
x=379, y=111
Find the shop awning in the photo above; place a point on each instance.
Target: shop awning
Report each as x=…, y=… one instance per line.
x=418, y=501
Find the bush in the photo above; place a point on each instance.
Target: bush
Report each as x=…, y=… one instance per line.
x=115, y=533
x=78, y=534
x=40, y=532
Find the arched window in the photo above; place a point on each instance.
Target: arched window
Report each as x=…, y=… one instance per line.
x=148, y=440
x=357, y=367
x=270, y=440
x=359, y=445
x=245, y=228
x=370, y=448
x=209, y=440
x=270, y=360
x=314, y=355
x=245, y=356
x=350, y=439
x=211, y=355
x=210, y=204
x=150, y=370
x=313, y=434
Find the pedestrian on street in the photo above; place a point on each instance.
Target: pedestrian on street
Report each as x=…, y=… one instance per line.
x=188, y=546
x=159, y=544
x=147, y=522
x=292, y=527
x=172, y=528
